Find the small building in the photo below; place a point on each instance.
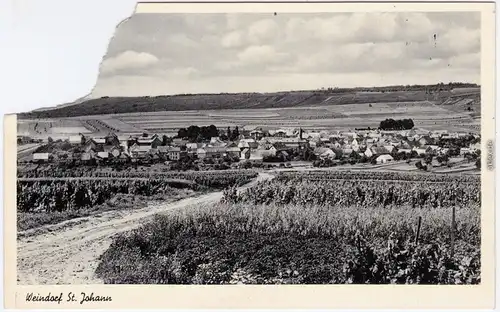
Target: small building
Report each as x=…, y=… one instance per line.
x=465, y=150
x=368, y=153
x=233, y=151
x=257, y=134
x=248, y=143
x=405, y=150
x=347, y=151
x=114, y=151
x=211, y=152
x=23, y=139
x=245, y=154
x=420, y=151
x=179, y=142
x=86, y=156
x=390, y=148
x=424, y=141
x=475, y=146
x=382, y=159
x=76, y=139
x=103, y=155
x=41, y=157
x=137, y=150
x=152, y=142
x=173, y=152
x=324, y=153
x=379, y=150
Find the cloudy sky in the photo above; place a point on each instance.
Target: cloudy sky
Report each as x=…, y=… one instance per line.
x=153, y=54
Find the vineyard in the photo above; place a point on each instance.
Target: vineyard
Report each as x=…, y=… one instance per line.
x=357, y=190
x=312, y=228
x=210, y=179
x=53, y=196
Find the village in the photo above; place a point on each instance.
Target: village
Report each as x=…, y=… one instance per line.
x=257, y=146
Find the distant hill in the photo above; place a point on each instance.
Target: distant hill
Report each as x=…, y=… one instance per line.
x=78, y=101
x=116, y=105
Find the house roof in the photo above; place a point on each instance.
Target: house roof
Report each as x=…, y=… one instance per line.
x=40, y=155
x=322, y=150
x=103, y=154
x=379, y=150
x=140, y=148
x=146, y=140
x=99, y=140
x=75, y=139
x=385, y=156
x=108, y=148
x=212, y=150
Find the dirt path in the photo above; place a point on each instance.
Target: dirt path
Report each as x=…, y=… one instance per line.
x=69, y=255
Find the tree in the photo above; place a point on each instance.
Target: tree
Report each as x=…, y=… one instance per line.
x=164, y=140
x=478, y=163
x=236, y=133
x=354, y=155
x=443, y=159
x=182, y=133
x=428, y=158
x=50, y=140
x=212, y=131
x=229, y=134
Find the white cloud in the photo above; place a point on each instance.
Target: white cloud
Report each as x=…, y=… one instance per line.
x=387, y=47
x=260, y=55
x=182, y=40
x=183, y=72
x=263, y=30
x=128, y=60
x=232, y=39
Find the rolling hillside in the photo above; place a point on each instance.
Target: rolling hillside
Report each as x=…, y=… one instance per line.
x=117, y=105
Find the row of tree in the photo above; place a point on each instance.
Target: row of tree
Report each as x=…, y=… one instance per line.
x=199, y=134
x=398, y=124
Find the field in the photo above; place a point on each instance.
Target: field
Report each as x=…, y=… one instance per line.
x=312, y=228
x=56, y=128
x=48, y=196
x=451, y=115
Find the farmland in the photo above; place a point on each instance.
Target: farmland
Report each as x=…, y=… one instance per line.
x=291, y=231
x=46, y=196
x=451, y=113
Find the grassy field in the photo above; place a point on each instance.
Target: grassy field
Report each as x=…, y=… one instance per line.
x=290, y=231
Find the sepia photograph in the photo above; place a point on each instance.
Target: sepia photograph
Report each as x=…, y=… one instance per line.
x=262, y=148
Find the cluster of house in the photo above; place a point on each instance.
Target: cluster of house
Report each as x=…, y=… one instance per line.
x=257, y=144
x=384, y=144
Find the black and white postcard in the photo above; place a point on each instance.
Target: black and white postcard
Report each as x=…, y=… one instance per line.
x=280, y=155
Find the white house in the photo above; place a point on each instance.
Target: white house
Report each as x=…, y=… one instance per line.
x=389, y=148
x=420, y=151
x=324, y=152
x=465, y=150
x=368, y=153
x=103, y=155
x=41, y=156
x=475, y=147
x=382, y=159
x=75, y=139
